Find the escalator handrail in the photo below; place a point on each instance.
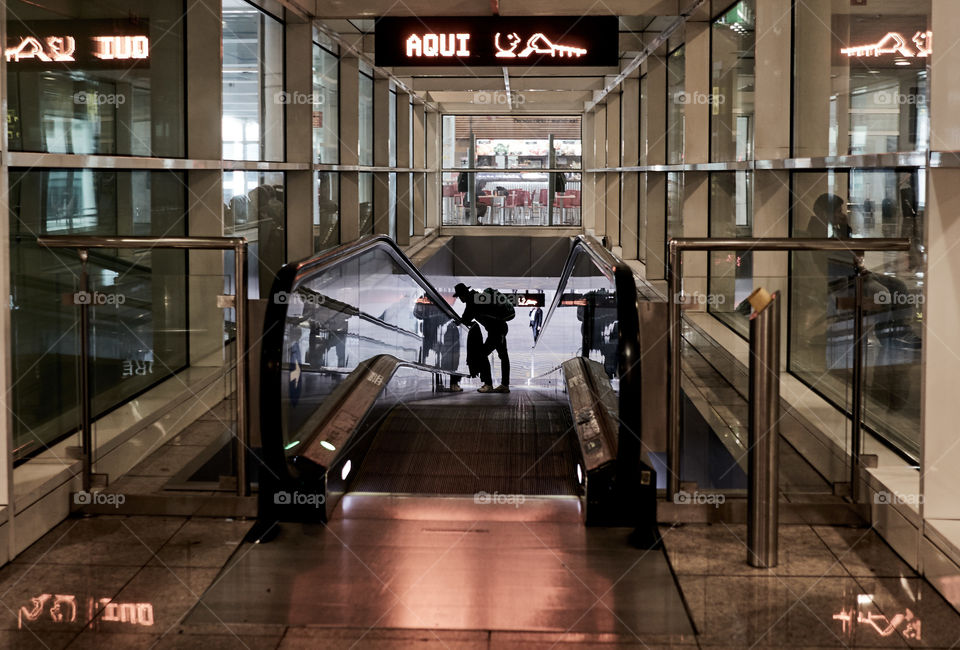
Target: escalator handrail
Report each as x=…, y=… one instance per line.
x=605, y=261
x=330, y=258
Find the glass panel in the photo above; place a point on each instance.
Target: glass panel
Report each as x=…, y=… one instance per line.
x=341, y=316
x=138, y=320
x=677, y=99
x=365, y=193
x=504, y=142
x=392, y=133
x=326, y=113
x=861, y=78
x=861, y=203
x=643, y=121
x=674, y=223
x=254, y=208
x=365, y=151
x=96, y=77
x=731, y=117
x=731, y=272
x=642, y=217
x=510, y=198
x=326, y=222
x=253, y=96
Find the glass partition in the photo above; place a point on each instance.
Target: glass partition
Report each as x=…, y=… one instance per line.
x=254, y=207
x=507, y=142
x=503, y=198
x=337, y=316
x=326, y=221
x=731, y=100
x=731, y=272
x=854, y=204
x=138, y=328
x=677, y=98
x=326, y=114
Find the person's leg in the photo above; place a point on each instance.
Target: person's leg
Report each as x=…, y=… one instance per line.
x=504, y=361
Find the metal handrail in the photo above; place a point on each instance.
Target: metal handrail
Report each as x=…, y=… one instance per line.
x=239, y=246
x=853, y=246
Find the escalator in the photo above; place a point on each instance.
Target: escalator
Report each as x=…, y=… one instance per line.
x=358, y=348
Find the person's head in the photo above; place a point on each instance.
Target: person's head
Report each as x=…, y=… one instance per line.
x=461, y=291
x=830, y=209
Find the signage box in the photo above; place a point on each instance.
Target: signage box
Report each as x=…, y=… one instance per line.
x=498, y=41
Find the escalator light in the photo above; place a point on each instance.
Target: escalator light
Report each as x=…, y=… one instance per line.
x=291, y=445
x=345, y=471
x=327, y=445
x=579, y=474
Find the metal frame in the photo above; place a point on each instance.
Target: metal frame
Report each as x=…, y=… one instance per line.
x=239, y=246
x=785, y=244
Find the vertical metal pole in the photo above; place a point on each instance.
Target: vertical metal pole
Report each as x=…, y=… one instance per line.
x=857, y=381
x=673, y=434
x=240, y=310
x=764, y=433
x=86, y=425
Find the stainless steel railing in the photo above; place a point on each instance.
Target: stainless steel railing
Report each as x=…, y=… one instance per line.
x=239, y=246
x=857, y=247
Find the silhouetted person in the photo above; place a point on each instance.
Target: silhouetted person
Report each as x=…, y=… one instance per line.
x=536, y=321
x=486, y=311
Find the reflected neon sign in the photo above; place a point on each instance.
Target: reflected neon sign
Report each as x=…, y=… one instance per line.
x=894, y=43
x=63, y=608
x=880, y=623
x=432, y=45
x=43, y=44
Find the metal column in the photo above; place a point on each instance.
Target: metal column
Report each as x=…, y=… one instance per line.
x=763, y=507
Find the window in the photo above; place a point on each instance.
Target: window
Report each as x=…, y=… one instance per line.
x=253, y=95
x=732, y=56
x=365, y=150
x=731, y=272
x=850, y=99
x=676, y=105
x=138, y=331
x=254, y=207
x=326, y=220
x=130, y=103
x=326, y=114
x=854, y=204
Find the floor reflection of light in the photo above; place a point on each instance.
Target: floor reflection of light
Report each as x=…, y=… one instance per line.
x=346, y=470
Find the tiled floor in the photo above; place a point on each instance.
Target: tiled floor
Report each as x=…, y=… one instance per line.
x=834, y=588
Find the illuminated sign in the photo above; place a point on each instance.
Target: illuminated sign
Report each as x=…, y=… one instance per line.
x=83, y=44
x=498, y=41
x=894, y=44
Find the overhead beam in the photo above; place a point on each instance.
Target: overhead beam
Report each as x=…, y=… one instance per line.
x=518, y=84
x=377, y=8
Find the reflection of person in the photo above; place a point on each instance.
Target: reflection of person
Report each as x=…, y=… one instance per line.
x=489, y=316
x=327, y=215
x=536, y=321
x=295, y=372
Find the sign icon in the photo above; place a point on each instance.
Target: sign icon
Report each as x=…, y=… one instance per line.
x=536, y=44
x=894, y=43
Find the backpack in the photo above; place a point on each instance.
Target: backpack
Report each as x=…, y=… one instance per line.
x=502, y=305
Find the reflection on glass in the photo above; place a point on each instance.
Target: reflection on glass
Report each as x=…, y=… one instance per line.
x=138, y=315
x=731, y=272
x=97, y=106
x=861, y=203
x=731, y=117
x=253, y=97
x=511, y=198
x=326, y=221
x=677, y=99
x=254, y=208
x=365, y=194
x=343, y=315
x=365, y=150
x=674, y=223
x=506, y=142
x=860, y=102
x=326, y=114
